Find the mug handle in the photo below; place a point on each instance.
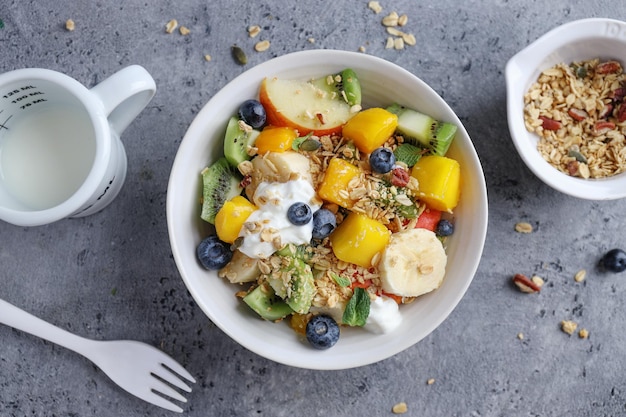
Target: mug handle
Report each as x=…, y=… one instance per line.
x=124, y=95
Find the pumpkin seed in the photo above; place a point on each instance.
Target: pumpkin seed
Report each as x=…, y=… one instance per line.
x=577, y=155
x=310, y=145
x=239, y=55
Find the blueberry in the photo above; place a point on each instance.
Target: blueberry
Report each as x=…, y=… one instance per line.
x=614, y=261
x=444, y=228
x=324, y=222
x=213, y=253
x=253, y=113
x=322, y=332
x=299, y=214
x=382, y=160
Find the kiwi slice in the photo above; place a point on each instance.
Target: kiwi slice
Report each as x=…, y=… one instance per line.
x=422, y=130
x=237, y=141
x=220, y=183
x=345, y=84
x=266, y=303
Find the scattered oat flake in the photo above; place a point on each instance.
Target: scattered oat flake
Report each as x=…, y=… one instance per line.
x=375, y=6
x=311, y=40
x=262, y=46
x=400, y=408
x=70, y=25
x=184, y=30
x=171, y=25
x=583, y=333
x=361, y=49
x=391, y=19
x=568, y=326
x=389, y=43
x=409, y=39
x=398, y=43
x=402, y=20
x=254, y=30
x=523, y=227
x=207, y=57
x=580, y=275
x=431, y=381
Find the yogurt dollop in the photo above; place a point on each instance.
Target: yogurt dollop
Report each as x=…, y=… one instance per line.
x=268, y=228
x=384, y=315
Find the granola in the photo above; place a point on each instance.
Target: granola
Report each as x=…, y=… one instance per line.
x=578, y=112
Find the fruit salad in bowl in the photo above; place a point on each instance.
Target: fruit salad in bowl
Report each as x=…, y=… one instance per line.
x=334, y=209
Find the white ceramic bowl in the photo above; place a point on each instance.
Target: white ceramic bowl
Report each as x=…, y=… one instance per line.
x=383, y=83
x=575, y=41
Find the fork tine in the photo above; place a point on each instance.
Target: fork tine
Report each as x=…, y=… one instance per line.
x=162, y=388
x=157, y=400
x=167, y=375
x=176, y=367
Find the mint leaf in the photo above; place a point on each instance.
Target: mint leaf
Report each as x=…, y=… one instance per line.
x=295, y=145
x=408, y=153
x=358, y=308
x=339, y=280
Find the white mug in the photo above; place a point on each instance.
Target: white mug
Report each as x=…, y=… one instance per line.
x=60, y=149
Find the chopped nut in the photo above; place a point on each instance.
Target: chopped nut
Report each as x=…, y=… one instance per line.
x=207, y=57
x=525, y=285
x=568, y=326
x=184, y=30
x=311, y=40
x=375, y=6
x=361, y=49
x=171, y=25
x=580, y=275
x=69, y=25
x=254, y=30
x=520, y=336
x=400, y=408
x=430, y=381
x=583, y=333
x=523, y=227
x=262, y=46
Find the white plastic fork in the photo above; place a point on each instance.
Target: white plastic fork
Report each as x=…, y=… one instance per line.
x=131, y=365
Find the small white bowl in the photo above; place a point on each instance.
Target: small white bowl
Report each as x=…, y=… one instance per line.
x=575, y=41
x=383, y=83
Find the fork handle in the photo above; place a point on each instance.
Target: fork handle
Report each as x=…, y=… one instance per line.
x=19, y=319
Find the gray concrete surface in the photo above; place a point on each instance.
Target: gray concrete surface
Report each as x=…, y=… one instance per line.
x=112, y=276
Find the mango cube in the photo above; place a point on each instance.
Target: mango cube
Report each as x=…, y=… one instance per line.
x=336, y=178
x=231, y=217
x=439, y=179
x=370, y=128
x=275, y=139
x=358, y=239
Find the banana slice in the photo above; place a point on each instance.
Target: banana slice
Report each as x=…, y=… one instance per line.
x=241, y=269
x=413, y=263
x=278, y=167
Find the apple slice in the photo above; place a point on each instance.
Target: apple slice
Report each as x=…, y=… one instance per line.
x=303, y=106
